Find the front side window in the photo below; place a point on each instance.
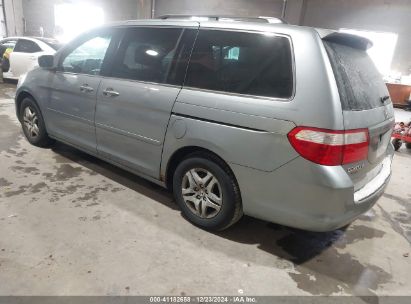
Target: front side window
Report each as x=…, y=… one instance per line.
x=150, y=54
x=26, y=46
x=9, y=44
x=6, y=47
x=245, y=63
x=88, y=57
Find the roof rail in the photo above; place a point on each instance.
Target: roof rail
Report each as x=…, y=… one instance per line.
x=261, y=19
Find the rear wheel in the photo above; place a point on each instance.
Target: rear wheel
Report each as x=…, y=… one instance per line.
x=33, y=124
x=206, y=191
x=396, y=143
x=408, y=145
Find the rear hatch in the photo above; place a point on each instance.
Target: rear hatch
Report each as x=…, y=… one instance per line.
x=364, y=99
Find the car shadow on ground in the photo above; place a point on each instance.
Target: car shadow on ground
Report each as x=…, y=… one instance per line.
x=313, y=260
x=295, y=245
x=116, y=174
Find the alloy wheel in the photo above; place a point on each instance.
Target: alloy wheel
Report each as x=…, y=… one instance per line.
x=202, y=193
x=31, y=122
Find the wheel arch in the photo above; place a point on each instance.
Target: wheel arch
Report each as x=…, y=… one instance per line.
x=19, y=99
x=179, y=155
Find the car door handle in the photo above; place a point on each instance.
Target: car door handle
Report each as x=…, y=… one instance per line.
x=86, y=88
x=110, y=93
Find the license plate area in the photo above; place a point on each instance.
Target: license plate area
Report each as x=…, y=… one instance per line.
x=380, y=137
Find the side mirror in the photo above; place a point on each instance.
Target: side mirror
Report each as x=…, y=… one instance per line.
x=46, y=61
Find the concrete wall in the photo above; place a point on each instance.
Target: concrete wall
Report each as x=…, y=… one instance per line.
x=144, y=9
x=294, y=11
x=38, y=13
x=3, y=26
x=14, y=17
x=219, y=7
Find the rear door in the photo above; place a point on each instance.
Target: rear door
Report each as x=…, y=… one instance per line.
x=24, y=57
x=135, y=99
x=364, y=96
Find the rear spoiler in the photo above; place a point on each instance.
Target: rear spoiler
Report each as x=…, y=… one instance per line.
x=350, y=40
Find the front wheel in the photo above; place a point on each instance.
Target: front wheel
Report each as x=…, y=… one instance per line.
x=33, y=124
x=207, y=193
x=408, y=145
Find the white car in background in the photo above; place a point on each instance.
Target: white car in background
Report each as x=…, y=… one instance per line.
x=26, y=51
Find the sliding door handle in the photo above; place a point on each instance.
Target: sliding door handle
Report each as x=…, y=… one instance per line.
x=110, y=93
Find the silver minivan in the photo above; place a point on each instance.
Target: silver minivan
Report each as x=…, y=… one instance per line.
x=284, y=123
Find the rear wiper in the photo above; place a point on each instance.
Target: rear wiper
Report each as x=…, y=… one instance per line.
x=384, y=99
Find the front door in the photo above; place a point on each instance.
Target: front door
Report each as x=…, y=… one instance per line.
x=73, y=91
x=134, y=103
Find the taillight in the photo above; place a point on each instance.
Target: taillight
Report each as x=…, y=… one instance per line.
x=330, y=147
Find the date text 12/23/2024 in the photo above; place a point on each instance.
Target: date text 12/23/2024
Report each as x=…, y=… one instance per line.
x=204, y=299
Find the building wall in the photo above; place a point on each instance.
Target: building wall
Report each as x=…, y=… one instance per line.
x=294, y=10
x=144, y=8
x=38, y=13
x=3, y=25
x=14, y=17
x=218, y=7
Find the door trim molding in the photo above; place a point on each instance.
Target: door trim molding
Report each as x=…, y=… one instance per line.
x=128, y=134
x=91, y=123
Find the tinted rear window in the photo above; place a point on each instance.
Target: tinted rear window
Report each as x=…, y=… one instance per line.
x=359, y=83
x=244, y=63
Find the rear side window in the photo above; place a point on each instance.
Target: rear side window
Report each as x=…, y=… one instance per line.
x=243, y=63
x=154, y=55
x=26, y=46
x=359, y=83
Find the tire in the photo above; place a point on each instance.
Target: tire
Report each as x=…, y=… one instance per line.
x=396, y=143
x=222, y=185
x=33, y=124
x=408, y=145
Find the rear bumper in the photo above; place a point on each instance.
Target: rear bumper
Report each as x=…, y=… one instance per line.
x=376, y=185
x=308, y=196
